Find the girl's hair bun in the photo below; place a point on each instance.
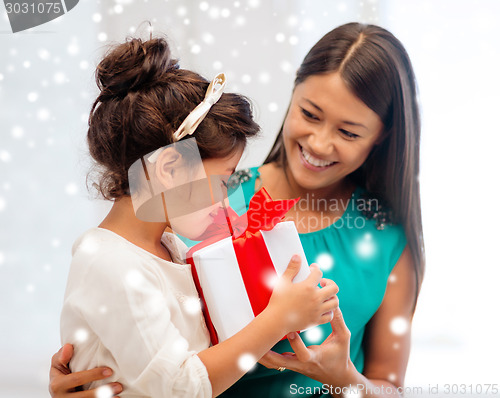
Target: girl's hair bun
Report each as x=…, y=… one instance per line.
x=132, y=66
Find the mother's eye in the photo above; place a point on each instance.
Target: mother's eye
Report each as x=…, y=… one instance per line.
x=308, y=114
x=348, y=134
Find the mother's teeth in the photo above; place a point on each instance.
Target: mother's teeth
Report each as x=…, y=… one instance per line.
x=314, y=161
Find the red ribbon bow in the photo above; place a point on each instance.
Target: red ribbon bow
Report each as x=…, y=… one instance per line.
x=251, y=252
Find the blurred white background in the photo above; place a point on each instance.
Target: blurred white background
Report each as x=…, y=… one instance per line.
x=47, y=87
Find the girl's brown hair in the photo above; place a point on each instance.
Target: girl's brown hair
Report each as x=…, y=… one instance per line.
x=377, y=69
x=144, y=97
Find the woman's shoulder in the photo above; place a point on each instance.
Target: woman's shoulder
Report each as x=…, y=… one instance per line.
x=373, y=207
x=244, y=176
x=377, y=220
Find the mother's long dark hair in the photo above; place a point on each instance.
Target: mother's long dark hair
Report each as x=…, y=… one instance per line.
x=377, y=69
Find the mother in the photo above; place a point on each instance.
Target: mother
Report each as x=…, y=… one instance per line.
x=349, y=147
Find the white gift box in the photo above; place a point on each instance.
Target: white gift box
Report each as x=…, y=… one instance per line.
x=222, y=284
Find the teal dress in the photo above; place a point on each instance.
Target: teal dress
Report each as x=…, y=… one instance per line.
x=358, y=254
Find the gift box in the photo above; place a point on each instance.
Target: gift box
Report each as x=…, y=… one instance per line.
x=235, y=274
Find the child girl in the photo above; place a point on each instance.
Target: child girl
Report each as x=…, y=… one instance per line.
x=130, y=302
x=349, y=146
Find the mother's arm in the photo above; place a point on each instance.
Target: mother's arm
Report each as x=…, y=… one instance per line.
x=65, y=384
x=387, y=343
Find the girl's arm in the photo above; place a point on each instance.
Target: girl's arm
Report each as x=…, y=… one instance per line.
x=387, y=343
x=292, y=307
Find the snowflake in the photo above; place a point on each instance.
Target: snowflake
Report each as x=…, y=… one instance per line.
x=43, y=114
x=246, y=362
x=293, y=20
x=192, y=305
x=271, y=280
x=214, y=13
x=81, y=335
x=33, y=96
x=195, y=48
x=5, y=156
x=208, y=38
x=246, y=79
x=286, y=66
x=217, y=65
x=97, y=17
x=73, y=48
x=240, y=20
x=308, y=24
x=71, y=189
x=353, y=392
x=134, y=278
x=180, y=345
x=325, y=261
x=280, y=37
x=264, y=77
x=60, y=78
x=272, y=107
x=17, y=132
x=314, y=335
x=399, y=326
x=104, y=392
x=204, y=6
x=366, y=247
x=102, y=36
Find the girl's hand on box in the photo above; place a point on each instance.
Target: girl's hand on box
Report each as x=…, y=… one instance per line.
x=303, y=304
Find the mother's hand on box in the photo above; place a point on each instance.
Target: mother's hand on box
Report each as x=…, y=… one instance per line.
x=328, y=363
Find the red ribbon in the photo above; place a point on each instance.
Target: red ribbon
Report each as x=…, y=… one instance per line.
x=251, y=252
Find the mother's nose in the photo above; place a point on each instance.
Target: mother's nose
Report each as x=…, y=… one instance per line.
x=321, y=141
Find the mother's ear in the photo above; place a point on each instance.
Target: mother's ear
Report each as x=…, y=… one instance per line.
x=168, y=166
